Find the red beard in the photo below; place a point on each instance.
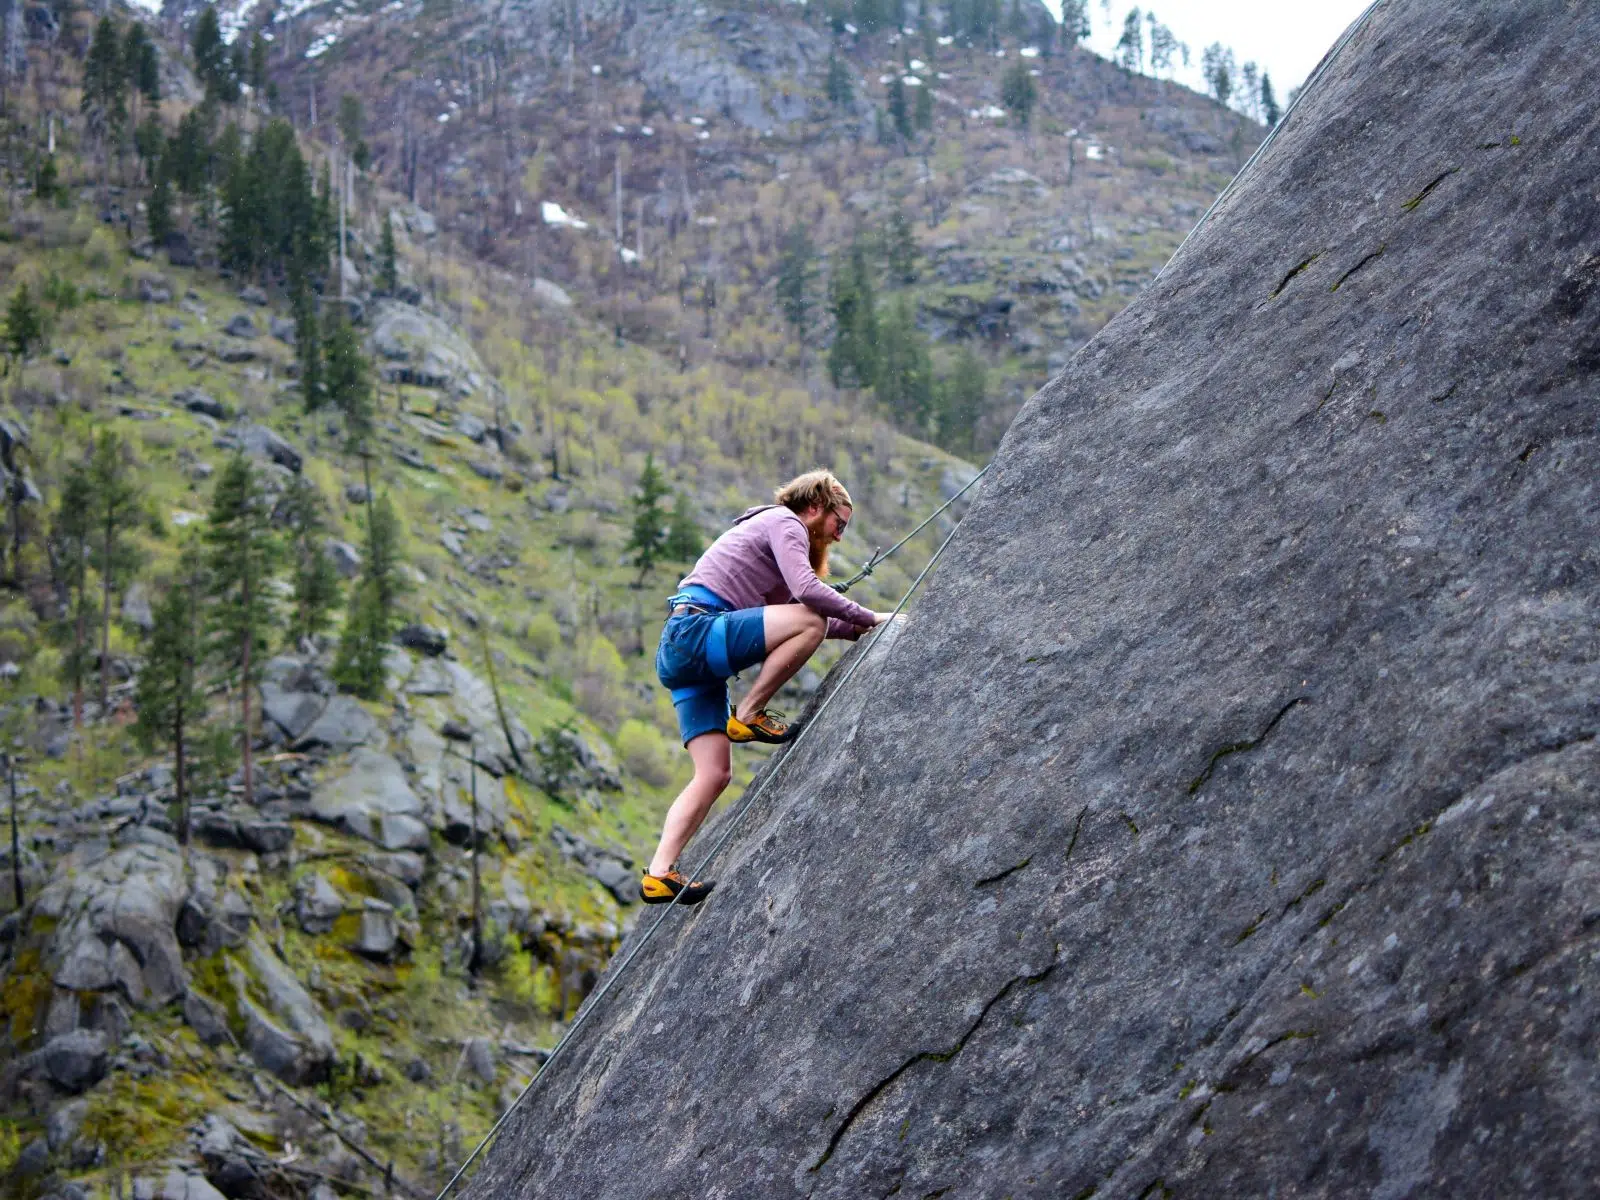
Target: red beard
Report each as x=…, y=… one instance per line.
x=818, y=537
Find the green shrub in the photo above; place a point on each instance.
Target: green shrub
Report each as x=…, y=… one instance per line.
x=645, y=753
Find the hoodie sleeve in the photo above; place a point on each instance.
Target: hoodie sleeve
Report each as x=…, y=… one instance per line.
x=792, y=551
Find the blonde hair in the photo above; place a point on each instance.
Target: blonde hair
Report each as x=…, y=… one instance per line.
x=814, y=489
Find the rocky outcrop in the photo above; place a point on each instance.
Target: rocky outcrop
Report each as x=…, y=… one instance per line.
x=418, y=348
x=1225, y=821
x=372, y=799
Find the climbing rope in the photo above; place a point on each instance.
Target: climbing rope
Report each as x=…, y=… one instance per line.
x=732, y=826
x=1272, y=133
x=878, y=556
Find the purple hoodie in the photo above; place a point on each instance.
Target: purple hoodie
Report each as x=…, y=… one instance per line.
x=766, y=559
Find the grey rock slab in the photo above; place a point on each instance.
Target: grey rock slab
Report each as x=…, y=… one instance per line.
x=241, y=325
x=288, y=1001
x=250, y=294
x=116, y=915
x=421, y=349
x=343, y=724
x=1224, y=821
x=379, y=935
x=373, y=800
x=206, y=1017
x=75, y=1061
x=294, y=712
x=424, y=639
x=62, y=1125
x=317, y=903
x=261, y=442
x=182, y=1185
x=196, y=401
x=346, y=558
x=136, y=607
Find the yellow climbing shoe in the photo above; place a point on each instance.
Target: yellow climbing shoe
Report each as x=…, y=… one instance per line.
x=765, y=726
x=660, y=889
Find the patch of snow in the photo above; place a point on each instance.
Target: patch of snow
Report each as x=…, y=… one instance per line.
x=945, y=41
x=946, y=75
x=1034, y=72
x=697, y=120
x=553, y=214
x=153, y=7
x=999, y=53
x=618, y=129
x=647, y=131
x=885, y=78
x=182, y=517
x=443, y=118
x=234, y=22
x=627, y=256
x=322, y=45
x=989, y=112
x=1093, y=151
x=1029, y=52
x=595, y=70
x=916, y=64
x=292, y=9
x=705, y=221
x=849, y=28
x=702, y=135
x=911, y=81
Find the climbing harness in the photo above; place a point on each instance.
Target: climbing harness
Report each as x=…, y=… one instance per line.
x=1327, y=61
x=732, y=826
x=878, y=555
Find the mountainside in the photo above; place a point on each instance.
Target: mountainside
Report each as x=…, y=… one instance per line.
x=694, y=137
x=1226, y=821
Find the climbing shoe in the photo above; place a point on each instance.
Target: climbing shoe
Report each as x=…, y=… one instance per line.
x=765, y=726
x=660, y=889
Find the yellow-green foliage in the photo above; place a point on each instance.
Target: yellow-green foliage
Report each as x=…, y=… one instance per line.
x=102, y=249
x=144, y=1120
x=541, y=634
x=10, y=1146
x=646, y=753
x=24, y=992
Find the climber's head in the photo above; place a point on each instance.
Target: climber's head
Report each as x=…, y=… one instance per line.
x=820, y=501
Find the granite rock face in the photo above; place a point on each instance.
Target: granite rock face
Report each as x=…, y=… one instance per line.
x=1226, y=820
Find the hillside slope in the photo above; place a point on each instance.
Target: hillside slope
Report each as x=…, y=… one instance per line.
x=1226, y=823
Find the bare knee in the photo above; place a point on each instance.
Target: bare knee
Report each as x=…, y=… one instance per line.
x=714, y=778
x=815, y=627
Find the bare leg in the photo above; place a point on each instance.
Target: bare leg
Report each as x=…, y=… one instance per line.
x=793, y=634
x=712, y=770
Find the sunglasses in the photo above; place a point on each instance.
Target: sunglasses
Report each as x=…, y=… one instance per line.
x=844, y=522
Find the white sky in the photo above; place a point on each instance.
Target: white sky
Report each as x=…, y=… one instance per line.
x=1286, y=38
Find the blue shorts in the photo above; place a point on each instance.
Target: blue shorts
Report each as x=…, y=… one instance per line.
x=699, y=651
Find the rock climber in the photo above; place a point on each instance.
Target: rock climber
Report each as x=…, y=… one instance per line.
x=756, y=596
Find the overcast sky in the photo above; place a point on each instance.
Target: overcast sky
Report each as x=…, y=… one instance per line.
x=1286, y=39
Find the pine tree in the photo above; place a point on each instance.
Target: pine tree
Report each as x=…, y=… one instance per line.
x=347, y=380
x=24, y=325
x=1130, y=46
x=648, y=538
x=352, y=121
x=840, y=90
x=212, y=62
x=1217, y=65
x=900, y=249
x=71, y=535
x=1075, y=21
x=369, y=618
x=797, y=273
x=388, y=258
x=168, y=693
x=684, y=540
x=114, y=556
x=853, y=356
x=158, y=208
x=104, y=99
x=312, y=576
x=307, y=340
x=1018, y=92
x=922, y=118
x=242, y=555
x=898, y=112
x=904, y=378
x=961, y=403
x=1270, y=112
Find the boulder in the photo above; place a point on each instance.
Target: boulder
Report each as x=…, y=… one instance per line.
x=372, y=800
x=379, y=935
x=241, y=325
x=207, y=1018
x=115, y=916
x=74, y=1061
x=62, y=1125
x=196, y=401
x=179, y=1184
x=317, y=903
x=136, y=607
x=610, y=869
x=471, y=428
x=251, y=294
x=298, y=1045
x=485, y=469
x=551, y=295
x=154, y=289
x=355, y=493
x=424, y=639
x=261, y=442
x=346, y=558
x=1225, y=820
x=341, y=725
x=179, y=252
x=483, y=1058
x=422, y=350
x=283, y=329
